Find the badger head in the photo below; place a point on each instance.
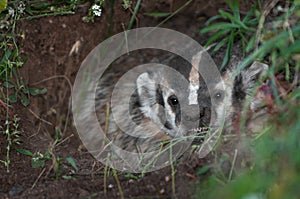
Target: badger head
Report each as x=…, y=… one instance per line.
x=182, y=105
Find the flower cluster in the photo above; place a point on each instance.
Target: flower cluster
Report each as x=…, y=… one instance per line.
x=97, y=11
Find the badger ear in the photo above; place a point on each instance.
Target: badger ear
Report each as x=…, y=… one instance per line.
x=146, y=89
x=256, y=70
x=246, y=80
x=252, y=74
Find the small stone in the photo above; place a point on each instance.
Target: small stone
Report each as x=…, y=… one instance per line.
x=162, y=191
x=167, y=178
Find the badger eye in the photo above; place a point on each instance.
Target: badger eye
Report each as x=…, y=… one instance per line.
x=173, y=101
x=219, y=95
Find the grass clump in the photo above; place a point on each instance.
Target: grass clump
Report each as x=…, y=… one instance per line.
x=230, y=27
x=275, y=168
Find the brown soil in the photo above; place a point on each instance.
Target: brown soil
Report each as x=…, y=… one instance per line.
x=47, y=45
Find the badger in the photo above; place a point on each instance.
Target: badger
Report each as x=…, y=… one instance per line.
x=173, y=105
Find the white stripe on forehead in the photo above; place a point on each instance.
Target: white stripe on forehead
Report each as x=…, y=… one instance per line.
x=194, y=79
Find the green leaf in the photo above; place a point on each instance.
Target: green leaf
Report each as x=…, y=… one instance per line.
x=58, y=134
x=252, y=22
x=233, y=19
x=251, y=44
x=13, y=98
x=225, y=14
x=37, y=162
x=218, y=26
x=244, y=42
x=47, y=155
x=24, y=152
x=24, y=100
x=296, y=95
x=294, y=48
x=212, y=19
x=72, y=163
x=131, y=176
x=228, y=51
x=220, y=44
x=67, y=177
x=28, y=10
x=35, y=91
x=203, y=170
x=5, y=58
x=3, y=4
x=234, y=6
x=8, y=84
x=216, y=36
x=249, y=14
x=135, y=11
x=158, y=14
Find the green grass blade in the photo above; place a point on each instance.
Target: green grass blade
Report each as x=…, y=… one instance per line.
x=234, y=6
x=228, y=50
x=233, y=19
x=136, y=9
x=174, y=13
x=249, y=14
x=24, y=152
x=158, y=14
x=225, y=15
x=212, y=19
x=294, y=48
x=218, y=26
x=71, y=161
x=267, y=47
x=251, y=44
x=252, y=22
x=216, y=36
x=220, y=44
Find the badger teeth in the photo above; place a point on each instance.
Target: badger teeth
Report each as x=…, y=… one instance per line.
x=200, y=129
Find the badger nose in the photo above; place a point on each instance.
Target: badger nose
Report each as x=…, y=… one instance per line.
x=191, y=113
x=197, y=115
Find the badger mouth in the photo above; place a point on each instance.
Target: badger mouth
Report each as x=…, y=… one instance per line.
x=204, y=139
x=200, y=130
x=199, y=135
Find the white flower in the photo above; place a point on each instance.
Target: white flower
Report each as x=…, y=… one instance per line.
x=95, y=7
x=11, y=12
x=97, y=11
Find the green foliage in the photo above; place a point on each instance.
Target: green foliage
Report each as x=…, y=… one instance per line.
x=37, y=9
x=135, y=11
x=38, y=159
x=132, y=176
x=12, y=88
x=12, y=135
x=11, y=61
x=11, y=81
x=275, y=170
x=276, y=173
x=94, y=11
x=3, y=4
x=203, y=170
x=230, y=27
x=127, y=4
